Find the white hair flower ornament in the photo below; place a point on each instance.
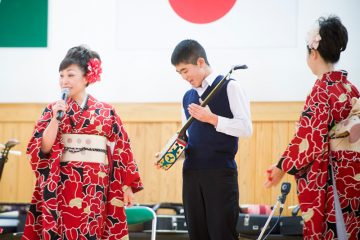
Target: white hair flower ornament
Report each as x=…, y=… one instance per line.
x=313, y=38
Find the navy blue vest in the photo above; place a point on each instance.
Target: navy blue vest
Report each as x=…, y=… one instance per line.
x=207, y=148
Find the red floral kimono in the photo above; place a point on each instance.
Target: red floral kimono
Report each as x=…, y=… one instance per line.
x=307, y=157
x=80, y=199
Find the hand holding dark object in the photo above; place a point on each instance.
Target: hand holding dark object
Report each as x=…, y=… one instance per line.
x=59, y=107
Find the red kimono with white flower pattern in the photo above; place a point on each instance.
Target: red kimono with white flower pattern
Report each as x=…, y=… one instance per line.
x=307, y=156
x=81, y=200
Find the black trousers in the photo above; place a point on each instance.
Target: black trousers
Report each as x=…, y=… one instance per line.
x=211, y=203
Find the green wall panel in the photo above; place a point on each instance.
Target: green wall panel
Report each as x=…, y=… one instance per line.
x=23, y=23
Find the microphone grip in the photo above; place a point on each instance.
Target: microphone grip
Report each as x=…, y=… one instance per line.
x=282, y=198
x=59, y=115
x=64, y=96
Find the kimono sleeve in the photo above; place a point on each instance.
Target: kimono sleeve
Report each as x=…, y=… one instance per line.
x=34, y=146
x=310, y=142
x=124, y=165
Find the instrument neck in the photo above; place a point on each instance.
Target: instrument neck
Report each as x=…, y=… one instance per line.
x=182, y=132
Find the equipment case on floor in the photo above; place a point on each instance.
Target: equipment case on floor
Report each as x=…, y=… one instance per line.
x=292, y=225
x=168, y=223
x=251, y=224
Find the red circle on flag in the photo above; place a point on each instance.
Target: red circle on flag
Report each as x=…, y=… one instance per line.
x=201, y=11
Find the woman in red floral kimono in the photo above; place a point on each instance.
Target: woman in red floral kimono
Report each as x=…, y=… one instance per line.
x=85, y=171
x=309, y=156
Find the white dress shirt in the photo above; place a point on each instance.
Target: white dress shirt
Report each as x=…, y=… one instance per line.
x=238, y=126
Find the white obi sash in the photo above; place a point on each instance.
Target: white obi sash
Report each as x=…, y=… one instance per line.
x=84, y=148
x=345, y=136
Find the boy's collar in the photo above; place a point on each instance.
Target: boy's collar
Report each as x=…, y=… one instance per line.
x=208, y=81
x=210, y=78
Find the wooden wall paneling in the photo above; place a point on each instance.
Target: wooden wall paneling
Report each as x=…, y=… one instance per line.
x=275, y=111
x=21, y=112
x=149, y=112
x=162, y=181
x=246, y=158
x=245, y=168
x=157, y=183
x=168, y=183
x=262, y=161
x=136, y=136
x=26, y=177
x=273, y=127
x=139, y=146
x=280, y=141
x=9, y=181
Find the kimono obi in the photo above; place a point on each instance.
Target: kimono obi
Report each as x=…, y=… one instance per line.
x=343, y=144
x=345, y=135
x=84, y=148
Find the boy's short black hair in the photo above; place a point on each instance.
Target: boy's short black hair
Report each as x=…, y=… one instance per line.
x=188, y=51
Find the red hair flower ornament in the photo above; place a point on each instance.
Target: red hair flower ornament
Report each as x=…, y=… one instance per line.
x=94, y=70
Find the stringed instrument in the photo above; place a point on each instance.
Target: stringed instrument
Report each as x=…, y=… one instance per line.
x=5, y=150
x=178, y=142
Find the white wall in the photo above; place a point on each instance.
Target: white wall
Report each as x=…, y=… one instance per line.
x=135, y=40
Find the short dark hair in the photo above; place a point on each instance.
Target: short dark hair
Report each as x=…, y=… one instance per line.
x=334, y=38
x=188, y=51
x=79, y=55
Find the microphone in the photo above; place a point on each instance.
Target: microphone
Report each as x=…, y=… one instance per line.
x=285, y=189
x=64, y=96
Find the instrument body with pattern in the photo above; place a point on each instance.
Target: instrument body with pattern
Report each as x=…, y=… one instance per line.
x=177, y=143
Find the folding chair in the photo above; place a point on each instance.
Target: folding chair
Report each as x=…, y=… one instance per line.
x=141, y=214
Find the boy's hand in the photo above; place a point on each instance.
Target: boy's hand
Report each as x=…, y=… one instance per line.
x=155, y=163
x=203, y=114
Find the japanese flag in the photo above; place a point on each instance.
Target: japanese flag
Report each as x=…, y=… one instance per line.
x=160, y=24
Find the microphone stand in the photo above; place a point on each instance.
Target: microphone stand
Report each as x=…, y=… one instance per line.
x=270, y=216
x=285, y=189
